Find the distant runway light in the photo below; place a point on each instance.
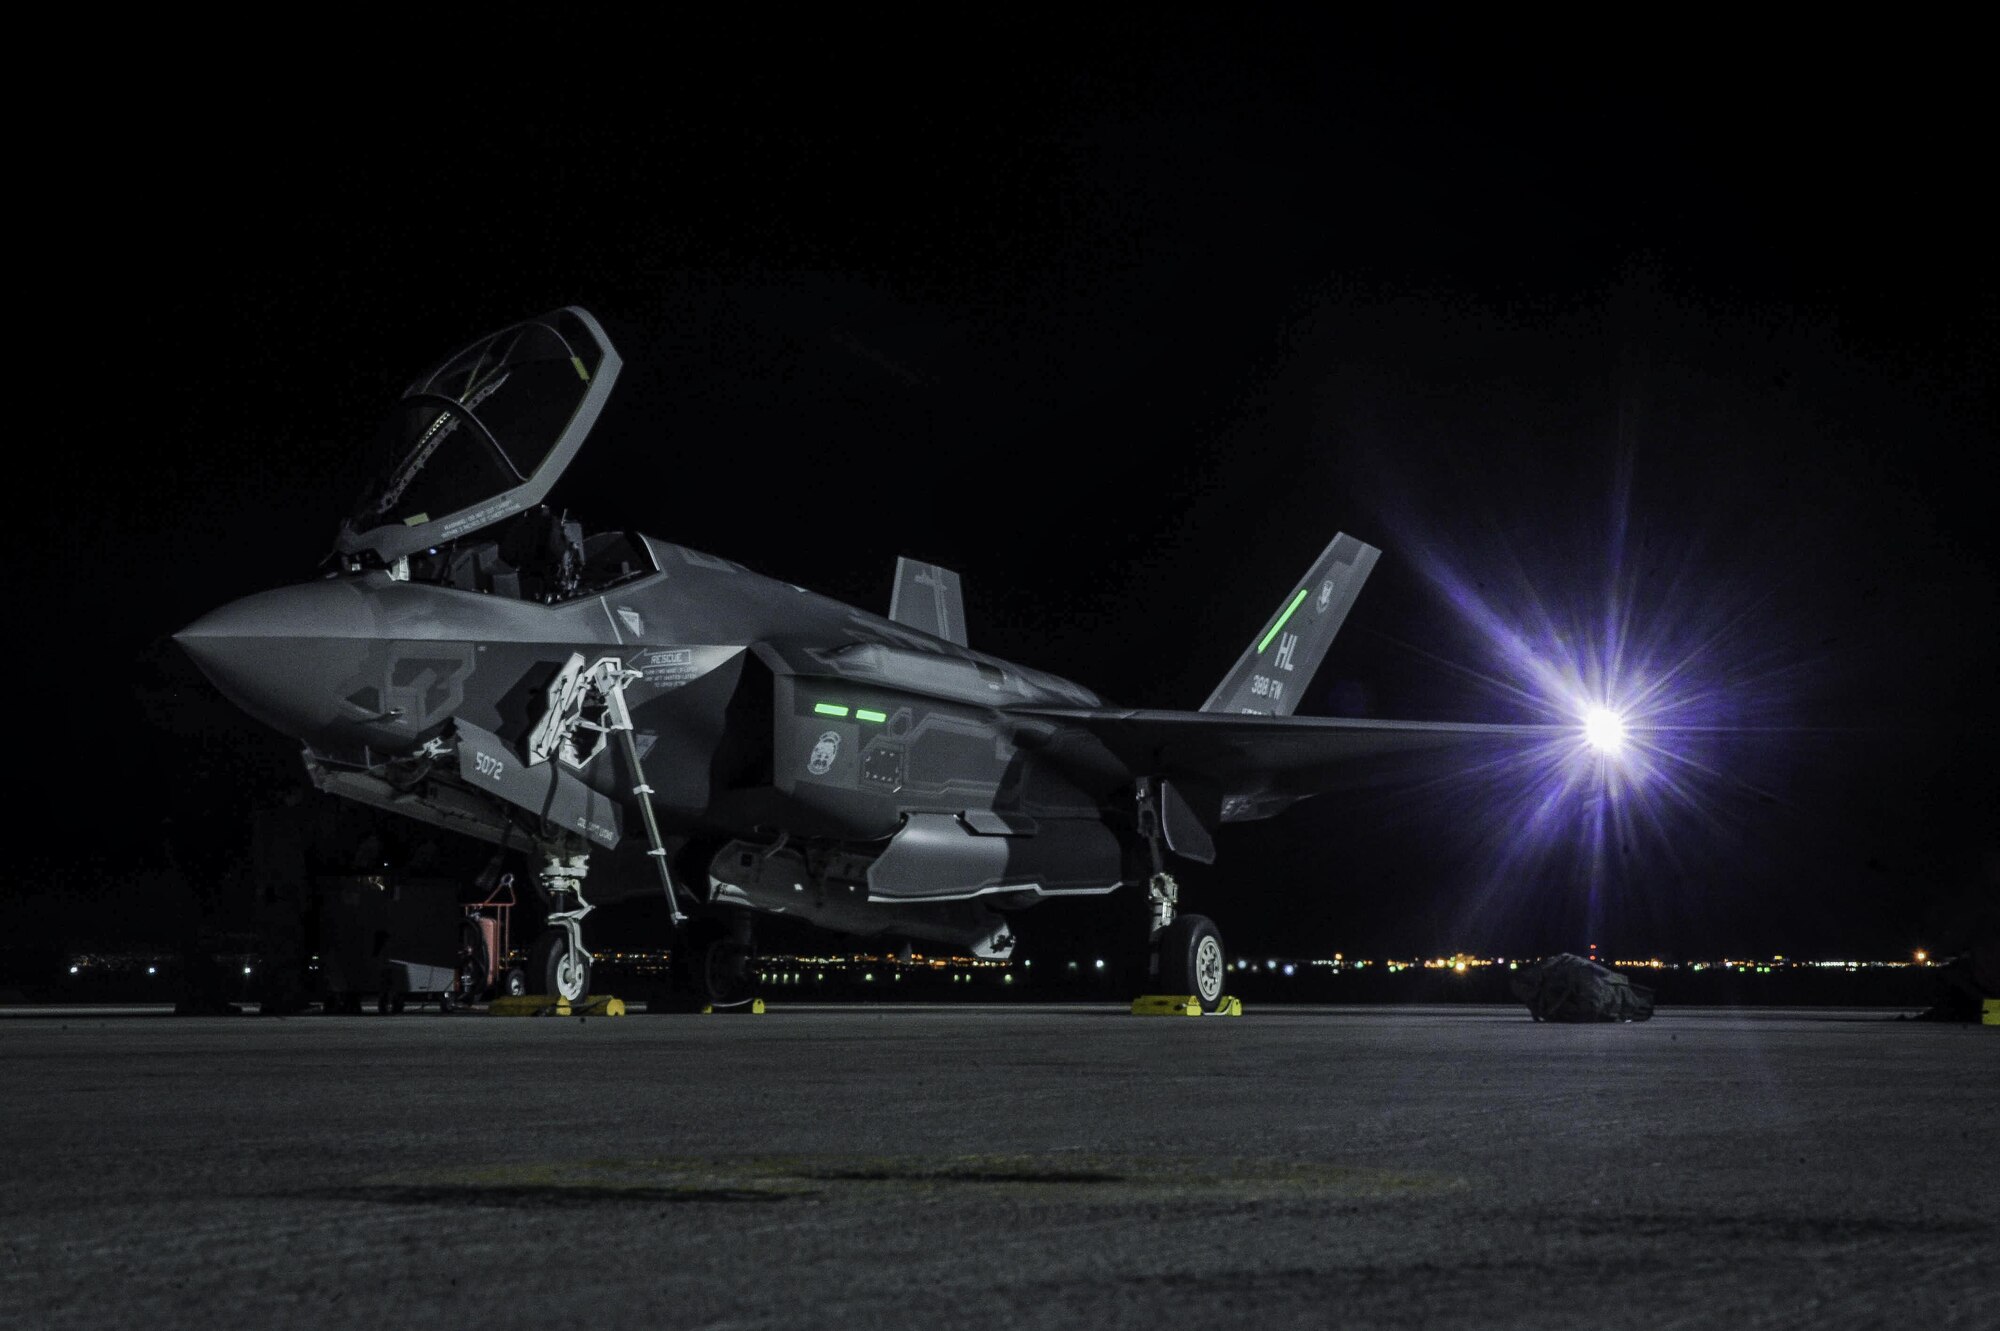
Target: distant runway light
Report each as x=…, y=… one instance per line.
x=1604, y=730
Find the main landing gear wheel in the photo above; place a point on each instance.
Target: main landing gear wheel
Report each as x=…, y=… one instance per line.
x=720, y=967
x=728, y=975
x=555, y=968
x=1191, y=960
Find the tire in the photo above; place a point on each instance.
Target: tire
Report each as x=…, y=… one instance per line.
x=1190, y=951
x=728, y=973
x=514, y=983
x=552, y=970
x=719, y=966
x=473, y=965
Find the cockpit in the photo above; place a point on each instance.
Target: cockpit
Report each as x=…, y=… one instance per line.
x=541, y=555
x=467, y=456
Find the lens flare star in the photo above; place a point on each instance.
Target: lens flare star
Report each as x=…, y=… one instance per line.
x=1604, y=730
x=1661, y=683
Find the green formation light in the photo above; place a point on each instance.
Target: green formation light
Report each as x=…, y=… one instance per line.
x=860, y=713
x=1281, y=619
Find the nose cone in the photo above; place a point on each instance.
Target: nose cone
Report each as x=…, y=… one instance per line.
x=283, y=655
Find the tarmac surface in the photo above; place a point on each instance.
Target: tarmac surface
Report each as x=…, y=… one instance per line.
x=1000, y=1166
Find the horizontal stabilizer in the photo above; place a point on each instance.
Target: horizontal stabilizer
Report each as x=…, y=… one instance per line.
x=1270, y=677
x=929, y=599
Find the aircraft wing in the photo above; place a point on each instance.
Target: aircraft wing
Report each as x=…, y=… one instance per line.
x=1260, y=764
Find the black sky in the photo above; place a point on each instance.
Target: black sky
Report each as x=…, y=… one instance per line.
x=1122, y=323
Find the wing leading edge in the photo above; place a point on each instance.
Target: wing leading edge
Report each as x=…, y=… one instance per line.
x=1259, y=765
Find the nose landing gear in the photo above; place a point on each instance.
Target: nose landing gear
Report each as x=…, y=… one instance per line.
x=586, y=709
x=559, y=963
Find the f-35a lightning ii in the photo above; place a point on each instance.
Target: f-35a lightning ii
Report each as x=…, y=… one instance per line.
x=662, y=720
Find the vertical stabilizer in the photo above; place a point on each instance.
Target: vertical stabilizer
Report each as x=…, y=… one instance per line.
x=928, y=598
x=1268, y=678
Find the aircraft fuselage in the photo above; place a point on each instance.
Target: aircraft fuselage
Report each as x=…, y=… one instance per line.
x=763, y=714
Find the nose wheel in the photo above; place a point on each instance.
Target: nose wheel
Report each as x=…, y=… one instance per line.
x=557, y=966
x=559, y=963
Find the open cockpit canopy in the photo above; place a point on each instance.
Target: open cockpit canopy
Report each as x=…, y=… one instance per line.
x=484, y=435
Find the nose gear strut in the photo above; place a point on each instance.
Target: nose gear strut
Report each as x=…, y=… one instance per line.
x=560, y=962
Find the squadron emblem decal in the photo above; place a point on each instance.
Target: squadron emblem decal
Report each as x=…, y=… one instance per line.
x=824, y=753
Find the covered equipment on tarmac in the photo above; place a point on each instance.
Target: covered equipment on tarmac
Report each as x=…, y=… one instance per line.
x=388, y=934
x=1567, y=987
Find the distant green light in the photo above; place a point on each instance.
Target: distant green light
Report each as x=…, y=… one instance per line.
x=863, y=714
x=1281, y=620
x=829, y=709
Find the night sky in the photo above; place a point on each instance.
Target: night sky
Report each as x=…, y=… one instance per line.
x=1123, y=324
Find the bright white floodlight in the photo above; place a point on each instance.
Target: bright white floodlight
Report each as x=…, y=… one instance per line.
x=1604, y=730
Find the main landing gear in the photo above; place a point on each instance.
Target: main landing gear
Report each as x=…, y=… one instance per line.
x=721, y=969
x=1187, y=949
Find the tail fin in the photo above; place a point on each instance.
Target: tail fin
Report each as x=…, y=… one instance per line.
x=928, y=598
x=1268, y=678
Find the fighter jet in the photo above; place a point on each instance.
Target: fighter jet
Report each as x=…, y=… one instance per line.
x=645, y=718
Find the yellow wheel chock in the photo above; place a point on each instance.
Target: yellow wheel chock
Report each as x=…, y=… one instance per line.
x=554, y=1005
x=1183, y=1005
